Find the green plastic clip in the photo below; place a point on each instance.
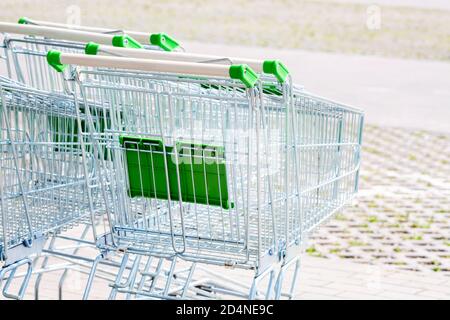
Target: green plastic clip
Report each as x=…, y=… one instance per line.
x=91, y=48
x=276, y=68
x=164, y=41
x=125, y=41
x=272, y=89
x=23, y=20
x=244, y=73
x=197, y=172
x=54, y=59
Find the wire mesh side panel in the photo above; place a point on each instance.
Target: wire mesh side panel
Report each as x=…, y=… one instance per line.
x=190, y=165
x=328, y=143
x=43, y=186
x=209, y=171
x=27, y=63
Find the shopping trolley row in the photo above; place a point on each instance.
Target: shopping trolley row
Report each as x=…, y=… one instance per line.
x=189, y=157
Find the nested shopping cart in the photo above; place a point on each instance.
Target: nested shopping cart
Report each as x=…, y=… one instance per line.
x=25, y=56
x=211, y=164
x=160, y=40
x=43, y=184
x=26, y=63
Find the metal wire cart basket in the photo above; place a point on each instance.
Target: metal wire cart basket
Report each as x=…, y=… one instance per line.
x=169, y=157
x=233, y=172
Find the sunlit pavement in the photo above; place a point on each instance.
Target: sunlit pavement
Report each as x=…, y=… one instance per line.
x=393, y=92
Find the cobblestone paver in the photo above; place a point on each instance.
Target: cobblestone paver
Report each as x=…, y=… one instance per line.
x=349, y=280
x=319, y=279
x=401, y=217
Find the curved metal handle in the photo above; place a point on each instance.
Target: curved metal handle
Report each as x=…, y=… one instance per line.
x=25, y=20
x=274, y=67
x=244, y=73
x=55, y=33
x=93, y=48
x=160, y=39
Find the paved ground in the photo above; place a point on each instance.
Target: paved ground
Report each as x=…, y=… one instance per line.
x=401, y=217
x=337, y=279
x=392, y=92
x=319, y=279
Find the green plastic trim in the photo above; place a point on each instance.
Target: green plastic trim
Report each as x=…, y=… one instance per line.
x=244, y=73
x=23, y=20
x=199, y=174
x=54, y=59
x=91, y=48
x=276, y=68
x=125, y=41
x=164, y=41
x=269, y=88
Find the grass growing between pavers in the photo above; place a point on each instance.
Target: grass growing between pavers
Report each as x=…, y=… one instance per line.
x=402, y=215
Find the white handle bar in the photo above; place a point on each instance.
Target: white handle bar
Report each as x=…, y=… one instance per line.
x=240, y=72
x=139, y=36
x=256, y=65
x=159, y=39
x=274, y=67
x=55, y=33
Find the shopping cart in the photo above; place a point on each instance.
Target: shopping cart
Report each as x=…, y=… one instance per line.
x=263, y=67
x=42, y=168
x=211, y=166
x=26, y=63
x=274, y=78
x=159, y=40
x=25, y=56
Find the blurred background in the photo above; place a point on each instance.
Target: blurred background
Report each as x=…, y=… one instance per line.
x=397, y=28
x=390, y=58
